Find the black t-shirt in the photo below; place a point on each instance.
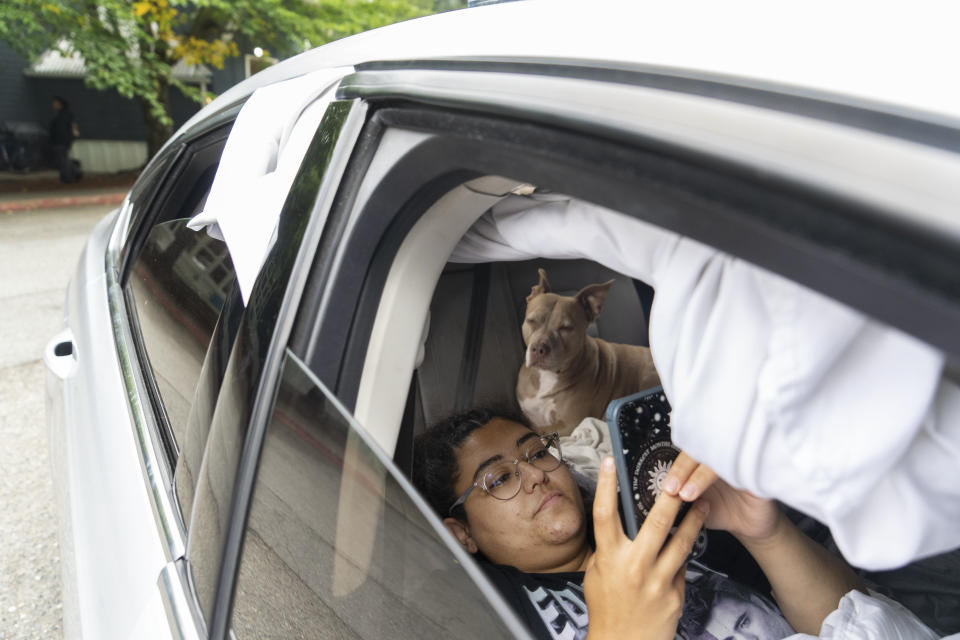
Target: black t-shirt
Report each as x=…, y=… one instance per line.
x=553, y=606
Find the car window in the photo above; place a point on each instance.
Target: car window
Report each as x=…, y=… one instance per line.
x=215, y=475
x=179, y=284
x=176, y=284
x=147, y=185
x=335, y=546
x=408, y=335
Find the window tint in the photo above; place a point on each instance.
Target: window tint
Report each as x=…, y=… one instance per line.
x=176, y=282
x=209, y=384
x=336, y=547
x=147, y=186
x=223, y=475
x=178, y=285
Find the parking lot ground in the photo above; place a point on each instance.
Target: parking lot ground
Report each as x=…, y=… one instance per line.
x=30, y=600
x=38, y=253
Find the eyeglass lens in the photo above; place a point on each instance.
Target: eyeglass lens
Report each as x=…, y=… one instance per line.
x=502, y=479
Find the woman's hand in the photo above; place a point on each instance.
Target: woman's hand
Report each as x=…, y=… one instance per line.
x=635, y=588
x=735, y=510
x=741, y=513
x=688, y=478
x=807, y=580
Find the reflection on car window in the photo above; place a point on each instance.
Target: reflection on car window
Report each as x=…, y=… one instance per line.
x=334, y=545
x=179, y=284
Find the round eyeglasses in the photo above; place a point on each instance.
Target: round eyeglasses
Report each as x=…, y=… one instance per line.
x=501, y=479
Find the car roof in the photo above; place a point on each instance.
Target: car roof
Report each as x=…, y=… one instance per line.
x=877, y=54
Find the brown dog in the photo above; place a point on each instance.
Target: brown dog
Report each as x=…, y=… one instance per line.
x=568, y=375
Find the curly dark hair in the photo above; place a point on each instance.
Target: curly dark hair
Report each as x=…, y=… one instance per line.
x=435, y=468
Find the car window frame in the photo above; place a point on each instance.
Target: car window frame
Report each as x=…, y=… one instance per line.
x=354, y=286
x=192, y=162
x=157, y=200
x=147, y=188
x=253, y=368
x=485, y=128
x=874, y=235
x=134, y=220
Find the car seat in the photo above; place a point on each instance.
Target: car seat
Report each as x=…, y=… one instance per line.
x=467, y=362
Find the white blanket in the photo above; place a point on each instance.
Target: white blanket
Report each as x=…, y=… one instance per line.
x=870, y=617
x=781, y=390
x=260, y=161
x=586, y=447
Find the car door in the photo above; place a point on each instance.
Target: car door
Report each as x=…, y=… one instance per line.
x=234, y=385
x=301, y=511
x=300, y=523
x=141, y=315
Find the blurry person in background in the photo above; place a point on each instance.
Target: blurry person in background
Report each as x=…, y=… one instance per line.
x=62, y=134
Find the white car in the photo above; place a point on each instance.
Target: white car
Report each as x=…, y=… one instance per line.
x=231, y=436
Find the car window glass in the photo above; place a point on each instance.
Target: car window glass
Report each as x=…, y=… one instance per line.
x=335, y=546
x=179, y=284
x=215, y=530
x=208, y=387
x=147, y=185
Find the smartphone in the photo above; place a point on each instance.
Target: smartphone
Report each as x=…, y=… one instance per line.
x=643, y=452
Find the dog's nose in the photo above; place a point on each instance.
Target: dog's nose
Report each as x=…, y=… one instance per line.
x=542, y=350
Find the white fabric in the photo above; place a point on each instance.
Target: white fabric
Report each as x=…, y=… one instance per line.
x=870, y=617
x=586, y=446
x=259, y=162
x=781, y=390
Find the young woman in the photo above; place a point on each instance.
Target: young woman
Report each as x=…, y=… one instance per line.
x=513, y=503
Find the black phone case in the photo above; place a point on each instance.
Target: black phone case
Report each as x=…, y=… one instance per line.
x=643, y=452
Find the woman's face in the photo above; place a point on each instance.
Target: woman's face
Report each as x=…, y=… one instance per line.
x=542, y=528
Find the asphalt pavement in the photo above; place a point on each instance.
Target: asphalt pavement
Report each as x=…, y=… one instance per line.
x=39, y=248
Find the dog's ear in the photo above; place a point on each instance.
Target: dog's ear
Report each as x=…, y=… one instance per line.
x=541, y=287
x=592, y=298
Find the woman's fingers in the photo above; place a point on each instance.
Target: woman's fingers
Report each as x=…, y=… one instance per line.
x=681, y=469
x=607, y=528
x=688, y=478
x=703, y=476
x=656, y=527
x=677, y=549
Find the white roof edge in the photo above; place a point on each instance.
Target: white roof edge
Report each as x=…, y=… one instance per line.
x=870, y=51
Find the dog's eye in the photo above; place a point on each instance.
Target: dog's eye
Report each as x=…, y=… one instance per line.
x=566, y=327
x=532, y=322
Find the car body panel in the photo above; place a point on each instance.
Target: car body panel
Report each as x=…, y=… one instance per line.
x=56, y=414
x=168, y=614
x=903, y=178
x=801, y=47
x=106, y=559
